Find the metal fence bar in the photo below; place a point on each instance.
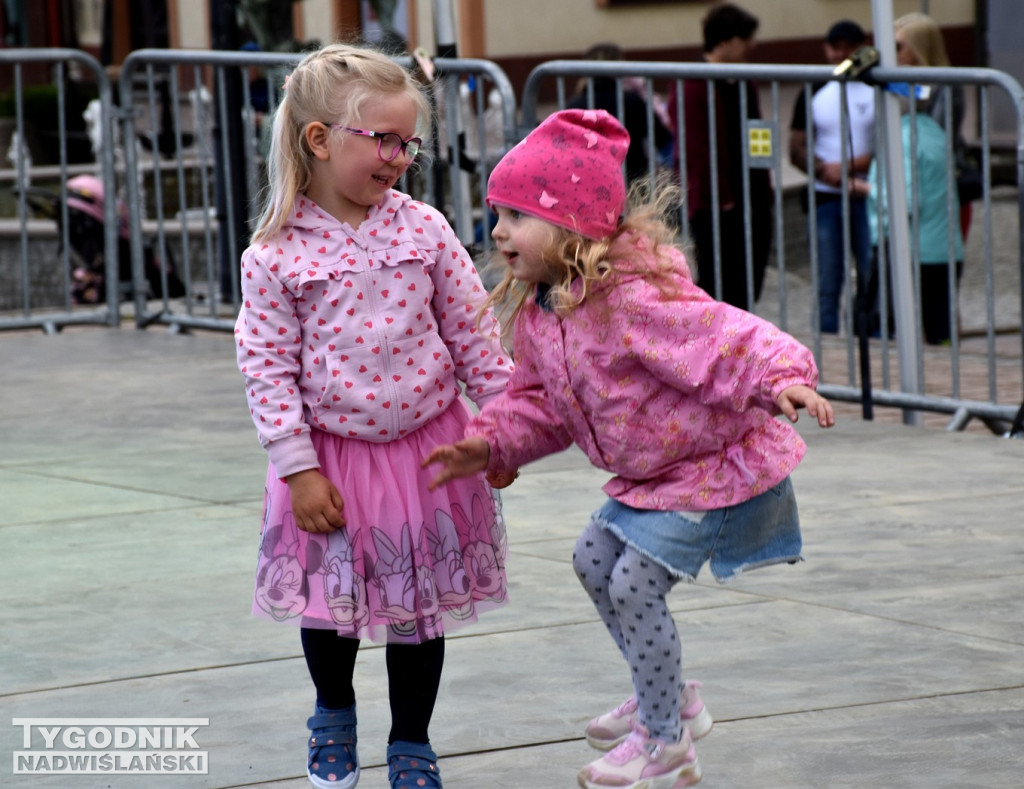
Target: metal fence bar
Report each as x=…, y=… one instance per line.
x=886, y=338
x=19, y=152
x=748, y=236
x=812, y=224
x=461, y=198
x=62, y=149
x=986, y=196
x=915, y=240
x=780, y=256
x=851, y=274
x=716, y=198
x=138, y=273
x=206, y=211
x=952, y=220
x=233, y=252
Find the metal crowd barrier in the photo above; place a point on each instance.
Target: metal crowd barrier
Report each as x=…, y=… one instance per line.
x=41, y=248
x=185, y=141
x=981, y=373
x=196, y=187
x=192, y=130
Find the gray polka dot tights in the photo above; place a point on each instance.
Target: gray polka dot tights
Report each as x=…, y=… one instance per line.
x=629, y=591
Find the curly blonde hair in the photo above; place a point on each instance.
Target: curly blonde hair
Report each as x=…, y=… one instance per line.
x=592, y=263
x=332, y=84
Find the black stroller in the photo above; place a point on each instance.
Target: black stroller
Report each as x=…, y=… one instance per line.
x=85, y=203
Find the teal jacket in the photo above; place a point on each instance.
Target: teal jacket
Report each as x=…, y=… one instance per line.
x=934, y=218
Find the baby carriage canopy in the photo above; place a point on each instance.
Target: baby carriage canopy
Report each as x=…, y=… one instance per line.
x=86, y=194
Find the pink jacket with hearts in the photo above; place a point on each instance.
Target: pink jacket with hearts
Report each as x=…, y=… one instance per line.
x=363, y=333
x=675, y=396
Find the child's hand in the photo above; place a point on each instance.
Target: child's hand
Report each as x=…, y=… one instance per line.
x=316, y=503
x=460, y=460
x=793, y=397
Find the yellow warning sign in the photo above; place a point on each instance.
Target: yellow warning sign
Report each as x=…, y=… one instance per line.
x=760, y=142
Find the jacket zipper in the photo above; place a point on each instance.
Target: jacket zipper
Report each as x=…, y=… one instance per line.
x=393, y=413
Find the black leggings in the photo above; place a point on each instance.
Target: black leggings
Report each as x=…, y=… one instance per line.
x=414, y=674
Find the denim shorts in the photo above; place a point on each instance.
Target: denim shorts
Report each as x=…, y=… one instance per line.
x=764, y=530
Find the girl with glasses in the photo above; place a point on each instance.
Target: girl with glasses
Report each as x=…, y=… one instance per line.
x=359, y=330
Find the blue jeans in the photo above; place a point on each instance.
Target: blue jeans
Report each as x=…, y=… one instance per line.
x=831, y=269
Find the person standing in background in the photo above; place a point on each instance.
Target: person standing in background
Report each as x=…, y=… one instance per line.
x=935, y=210
x=729, y=33
x=825, y=163
x=919, y=42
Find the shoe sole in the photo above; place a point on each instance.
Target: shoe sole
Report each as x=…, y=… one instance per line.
x=689, y=775
x=699, y=726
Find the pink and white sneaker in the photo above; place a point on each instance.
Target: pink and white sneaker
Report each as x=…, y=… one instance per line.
x=642, y=762
x=606, y=731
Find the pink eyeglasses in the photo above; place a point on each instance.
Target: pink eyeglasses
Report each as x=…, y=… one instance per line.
x=389, y=144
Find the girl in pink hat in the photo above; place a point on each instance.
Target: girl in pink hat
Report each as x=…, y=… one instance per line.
x=676, y=394
x=356, y=340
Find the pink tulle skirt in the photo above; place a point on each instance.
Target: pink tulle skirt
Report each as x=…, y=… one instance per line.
x=409, y=565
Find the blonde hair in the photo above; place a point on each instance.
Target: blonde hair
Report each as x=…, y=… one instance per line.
x=331, y=85
x=924, y=37
x=638, y=246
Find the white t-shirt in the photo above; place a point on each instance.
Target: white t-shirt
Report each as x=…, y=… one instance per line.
x=860, y=100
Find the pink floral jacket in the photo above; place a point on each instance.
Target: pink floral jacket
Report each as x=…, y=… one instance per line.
x=364, y=333
x=676, y=397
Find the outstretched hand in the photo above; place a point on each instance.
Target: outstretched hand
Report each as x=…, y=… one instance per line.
x=460, y=459
x=793, y=397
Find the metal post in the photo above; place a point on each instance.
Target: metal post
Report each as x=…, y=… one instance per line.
x=444, y=25
x=231, y=197
x=908, y=330
x=458, y=177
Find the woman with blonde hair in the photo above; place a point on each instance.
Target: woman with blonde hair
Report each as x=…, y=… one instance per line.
x=922, y=38
x=919, y=42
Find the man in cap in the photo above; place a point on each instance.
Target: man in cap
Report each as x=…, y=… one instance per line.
x=825, y=164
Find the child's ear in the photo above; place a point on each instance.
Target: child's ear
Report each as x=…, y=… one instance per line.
x=317, y=138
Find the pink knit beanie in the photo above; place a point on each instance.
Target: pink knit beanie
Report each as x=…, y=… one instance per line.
x=568, y=171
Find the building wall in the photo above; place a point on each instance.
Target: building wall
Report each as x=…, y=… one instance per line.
x=193, y=23
x=541, y=29
x=512, y=29
x=790, y=31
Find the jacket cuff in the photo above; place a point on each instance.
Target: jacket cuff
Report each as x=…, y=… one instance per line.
x=781, y=384
x=292, y=454
x=475, y=430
